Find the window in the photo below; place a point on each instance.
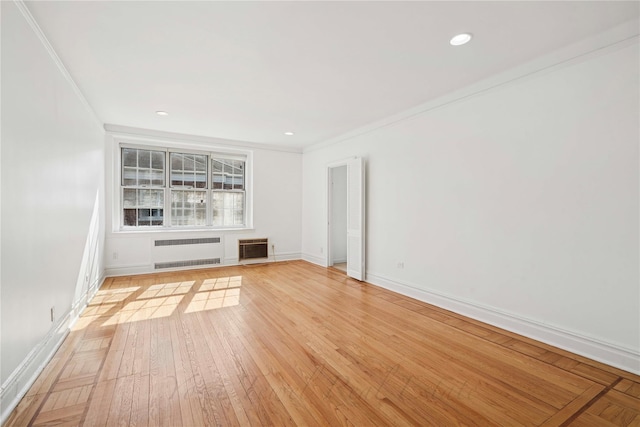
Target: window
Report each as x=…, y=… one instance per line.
x=143, y=179
x=163, y=188
x=228, y=192
x=188, y=189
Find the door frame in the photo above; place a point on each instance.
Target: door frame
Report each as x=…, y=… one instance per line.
x=329, y=198
x=330, y=169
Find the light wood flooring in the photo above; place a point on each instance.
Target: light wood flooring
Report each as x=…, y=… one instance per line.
x=295, y=344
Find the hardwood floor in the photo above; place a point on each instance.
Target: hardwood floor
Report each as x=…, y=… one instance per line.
x=295, y=344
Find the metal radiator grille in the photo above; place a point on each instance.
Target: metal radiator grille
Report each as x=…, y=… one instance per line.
x=188, y=263
x=174, y=242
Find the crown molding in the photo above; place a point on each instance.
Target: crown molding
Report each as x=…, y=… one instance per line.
x=155, y=135
x=605, y=42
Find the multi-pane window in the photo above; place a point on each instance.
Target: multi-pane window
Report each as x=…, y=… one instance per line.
x=228, y=192
x=143, y=181
x=164, y=188
x=188, y=189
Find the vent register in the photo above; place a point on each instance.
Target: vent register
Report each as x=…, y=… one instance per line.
x=174, y=242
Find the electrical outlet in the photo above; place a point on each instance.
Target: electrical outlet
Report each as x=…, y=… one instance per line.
x=53, y=314
x=401, y=264
x=115, y=255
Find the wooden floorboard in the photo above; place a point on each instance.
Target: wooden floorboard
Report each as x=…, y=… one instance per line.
x=293, y=344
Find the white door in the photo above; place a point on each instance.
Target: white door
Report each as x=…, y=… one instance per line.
x=355, y=218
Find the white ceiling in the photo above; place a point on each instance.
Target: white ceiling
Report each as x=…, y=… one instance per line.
x=250, y=71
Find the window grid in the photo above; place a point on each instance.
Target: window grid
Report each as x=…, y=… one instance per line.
x=142, y=178
x=194, y=190
x=228, y=204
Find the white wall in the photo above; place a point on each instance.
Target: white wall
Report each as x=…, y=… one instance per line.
x=517, y=205
x=277, y=195
x=52, y=203
x=339, y=215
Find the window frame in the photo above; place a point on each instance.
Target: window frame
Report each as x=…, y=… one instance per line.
x=168, y=188
x=224, y=190
x=137, y=187
x=182, y=189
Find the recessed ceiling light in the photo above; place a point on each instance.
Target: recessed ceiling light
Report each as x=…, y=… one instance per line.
x=162, y=113
x=288, y=133
x=460, y=39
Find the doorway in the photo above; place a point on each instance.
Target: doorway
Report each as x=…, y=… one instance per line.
x=338, y=221
x=346, y=216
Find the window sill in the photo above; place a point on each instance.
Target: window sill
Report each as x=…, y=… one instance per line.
x=184, y=230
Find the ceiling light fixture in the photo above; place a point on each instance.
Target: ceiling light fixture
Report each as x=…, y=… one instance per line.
x=162, y=113
x=288, y=133
x=460, y=39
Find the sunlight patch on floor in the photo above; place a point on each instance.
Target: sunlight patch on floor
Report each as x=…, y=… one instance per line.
x=113, y=295
x=160, y=300
x=221, y=283
x=216, y=293
x=167, y=289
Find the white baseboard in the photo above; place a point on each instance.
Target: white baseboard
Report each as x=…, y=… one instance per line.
x=622, y=358
x=126, y=270
x=23, y=377
x=287, y=256
x=278, y=257
x=315, y=260
x=80, y=305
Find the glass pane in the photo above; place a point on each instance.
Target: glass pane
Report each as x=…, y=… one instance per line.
x=176, y=161
x=189, y=180
x=228, y=174
x=158, y=160
x=157, y=217
x=129, y=157
x=189, y=163
x=239, y=182
x=217, y=181
x=144, y=177
x=201, y=179
x=187, y=208
x=144, y=216
x=157, y=178
x=142, y=207
x=228, y=208
x=238, y=167
x=129, y=197
x=130, y=217
x=151, y=198
x=177, y=178
x=144, y=159
x=201, y=163
x=129, y=176
x=228, y=167
x=188, y=170
x=138, y=169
